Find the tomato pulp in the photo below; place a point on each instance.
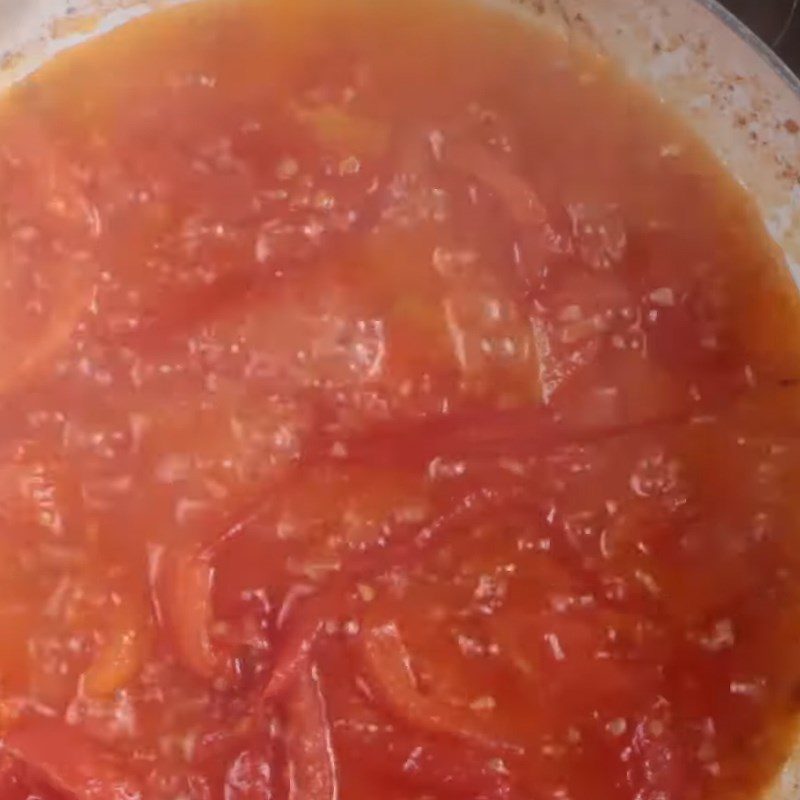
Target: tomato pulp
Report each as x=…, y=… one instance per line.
x=394, y=401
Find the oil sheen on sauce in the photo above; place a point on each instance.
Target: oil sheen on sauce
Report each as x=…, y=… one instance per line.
x=393, y=402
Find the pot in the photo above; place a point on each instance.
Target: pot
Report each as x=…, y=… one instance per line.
x=727, y=85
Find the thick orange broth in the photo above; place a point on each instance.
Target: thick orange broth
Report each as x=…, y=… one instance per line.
x=394, y=401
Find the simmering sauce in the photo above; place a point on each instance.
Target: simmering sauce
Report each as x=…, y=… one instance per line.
x=394, y=402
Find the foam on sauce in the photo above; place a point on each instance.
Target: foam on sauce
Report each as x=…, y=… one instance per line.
x=393, y=401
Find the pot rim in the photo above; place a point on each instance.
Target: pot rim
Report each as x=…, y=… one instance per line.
x=746, y=34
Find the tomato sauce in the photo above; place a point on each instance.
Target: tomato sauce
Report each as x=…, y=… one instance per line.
x=394, y=401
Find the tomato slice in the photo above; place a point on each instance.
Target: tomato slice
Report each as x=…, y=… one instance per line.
x=125, y=648
x=251, y=776
x=39, y=185
x=446, y=767
x=311, y=760
x=184, y=590
x=69, y=762
x=516, y=194
x=343, y=132
x=390, y=673
x=293, y=655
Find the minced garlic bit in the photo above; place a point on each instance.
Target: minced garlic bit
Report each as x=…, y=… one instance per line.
x=287, y=169
x=664, y=297
x=721, y=637
x=485, y=703
x=617, y=727
x=366, y=592
x=554, y=644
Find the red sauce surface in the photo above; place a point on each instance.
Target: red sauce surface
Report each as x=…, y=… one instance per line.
x=394, y=403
